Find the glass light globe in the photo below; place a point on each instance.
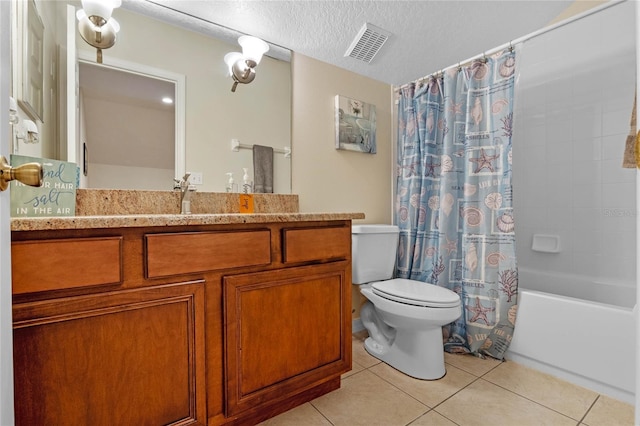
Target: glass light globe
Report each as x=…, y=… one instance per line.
x=231, y=58
x=101, y=8
x=253, y=48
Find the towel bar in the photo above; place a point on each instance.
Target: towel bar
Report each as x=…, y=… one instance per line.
x=236, y=146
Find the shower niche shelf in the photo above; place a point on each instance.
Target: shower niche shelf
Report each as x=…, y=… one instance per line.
x=546, y=243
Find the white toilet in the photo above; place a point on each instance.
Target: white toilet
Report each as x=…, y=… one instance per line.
x=404, y=318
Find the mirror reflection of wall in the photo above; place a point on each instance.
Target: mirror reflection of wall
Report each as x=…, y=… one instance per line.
x=45, y=12
x=258, y=113
x=126, y=112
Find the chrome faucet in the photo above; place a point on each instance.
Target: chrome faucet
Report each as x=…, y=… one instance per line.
x=185, y=189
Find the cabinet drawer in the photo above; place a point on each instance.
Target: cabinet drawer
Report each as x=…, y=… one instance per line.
x=306, y=244
x=63, y=264
x=185, y=253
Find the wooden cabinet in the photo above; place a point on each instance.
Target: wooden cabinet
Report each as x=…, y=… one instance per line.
x=284, y=332
x=215, y=324
x=121, y=358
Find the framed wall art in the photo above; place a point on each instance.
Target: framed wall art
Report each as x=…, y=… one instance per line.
x=355, y=125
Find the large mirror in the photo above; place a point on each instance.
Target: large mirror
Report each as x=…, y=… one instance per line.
x=207, y=116
x=129, y=109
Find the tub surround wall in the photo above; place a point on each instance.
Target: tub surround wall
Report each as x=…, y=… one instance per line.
x=573, y=106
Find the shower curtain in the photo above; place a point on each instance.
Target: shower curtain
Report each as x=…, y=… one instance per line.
x=453, y=197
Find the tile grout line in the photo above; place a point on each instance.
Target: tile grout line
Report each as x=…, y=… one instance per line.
x=447, y=398
x=481, y=376
x=588, y=410
x=532, y=400
x=321, y=413
x=454, y=394
x=529, y=399
x=477, y=377
x=464, y=387
x=404, y=392
x=438, y=404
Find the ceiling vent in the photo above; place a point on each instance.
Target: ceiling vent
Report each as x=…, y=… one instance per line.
x=367, y=43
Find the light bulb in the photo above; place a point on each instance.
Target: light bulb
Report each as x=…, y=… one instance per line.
x=253, y=48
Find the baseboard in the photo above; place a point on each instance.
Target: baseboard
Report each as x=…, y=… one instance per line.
x=356, y=325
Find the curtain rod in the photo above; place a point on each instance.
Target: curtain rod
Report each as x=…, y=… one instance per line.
x=522, y=39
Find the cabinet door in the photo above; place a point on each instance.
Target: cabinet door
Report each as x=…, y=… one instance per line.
x=285, y=331
x=120, y=358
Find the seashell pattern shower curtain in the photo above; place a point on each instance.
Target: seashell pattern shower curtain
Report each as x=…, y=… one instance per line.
x=454, y=200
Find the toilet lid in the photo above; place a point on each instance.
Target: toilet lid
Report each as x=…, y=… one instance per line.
x=416, y=293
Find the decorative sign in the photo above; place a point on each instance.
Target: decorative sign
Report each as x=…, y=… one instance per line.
x=246, y=203
x=56, y=196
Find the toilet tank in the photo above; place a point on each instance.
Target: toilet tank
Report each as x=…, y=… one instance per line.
x=373, y=252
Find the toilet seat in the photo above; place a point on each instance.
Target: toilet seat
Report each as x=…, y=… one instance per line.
x=416, y=293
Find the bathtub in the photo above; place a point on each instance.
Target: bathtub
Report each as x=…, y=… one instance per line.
x=586, y=342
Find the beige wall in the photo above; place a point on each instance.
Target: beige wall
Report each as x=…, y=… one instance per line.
x=577, y=7
x=333, y=180
x=327, y=179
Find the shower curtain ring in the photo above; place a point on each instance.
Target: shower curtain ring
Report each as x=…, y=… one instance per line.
x=484, y=57
x=510, y=47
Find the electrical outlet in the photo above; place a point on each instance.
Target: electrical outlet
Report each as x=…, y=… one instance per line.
x=196, y=178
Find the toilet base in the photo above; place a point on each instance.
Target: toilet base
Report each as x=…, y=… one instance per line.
x=419, y=354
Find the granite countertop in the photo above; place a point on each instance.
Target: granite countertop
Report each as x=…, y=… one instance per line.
x=109, y=208
x=140, y=220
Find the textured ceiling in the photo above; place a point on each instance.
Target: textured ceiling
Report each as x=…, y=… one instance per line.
x=427, y=35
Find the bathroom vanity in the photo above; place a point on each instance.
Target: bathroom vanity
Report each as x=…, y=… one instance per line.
x=169, y=319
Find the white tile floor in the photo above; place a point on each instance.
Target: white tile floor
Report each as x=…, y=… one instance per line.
x=473, y=392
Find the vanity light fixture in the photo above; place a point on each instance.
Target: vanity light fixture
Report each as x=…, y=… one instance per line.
x=242, y=65
x=28, y=132
x=95, y=24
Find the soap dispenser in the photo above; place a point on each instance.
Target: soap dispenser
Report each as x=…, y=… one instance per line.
x=230, y=184
x=246, y=183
